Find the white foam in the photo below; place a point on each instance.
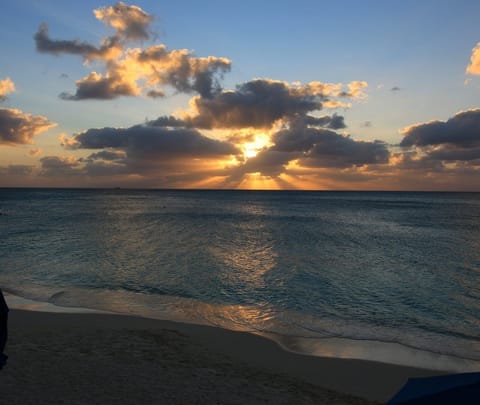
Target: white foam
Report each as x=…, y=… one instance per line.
x=16, y=302
x=383, y=352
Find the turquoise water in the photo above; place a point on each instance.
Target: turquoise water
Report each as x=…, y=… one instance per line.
x=347, y=274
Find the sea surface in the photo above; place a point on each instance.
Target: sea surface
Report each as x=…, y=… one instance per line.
x=386, y=276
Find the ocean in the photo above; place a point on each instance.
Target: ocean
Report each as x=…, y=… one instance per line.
x=384, y=276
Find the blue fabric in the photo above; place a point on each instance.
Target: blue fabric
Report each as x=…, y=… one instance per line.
x=418, y=390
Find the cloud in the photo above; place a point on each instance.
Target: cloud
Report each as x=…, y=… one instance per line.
x=334, y=150
x=6, y=87
x=462, y=130
x=449, y=147
x=35, y=152
x=356, y=89
x=17, y=127
x=135, y=71
x=44, y=44
x=151, y=152
x=155, y=94
x=153, y=142
x=395, y=88
x=96, y=86
x=268, y=162
x=144, y=71
x=169, y=121
x=109, y=162
x=271, y=127
x=310, y=148
x=259, y=103
x=16, y=170
x=326, y=148
x=328, y=121
x=474, y=67
x=130, y=22
x=451, y=153
x=180, y=69
x=106, y=156
x=60, y=166
x=143, y=155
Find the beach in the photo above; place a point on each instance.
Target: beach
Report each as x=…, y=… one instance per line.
x=107, y=358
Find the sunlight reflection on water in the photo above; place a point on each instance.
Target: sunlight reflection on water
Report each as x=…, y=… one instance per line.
x=395, y=267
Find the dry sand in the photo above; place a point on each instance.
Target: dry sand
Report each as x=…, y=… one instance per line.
x=100, y=359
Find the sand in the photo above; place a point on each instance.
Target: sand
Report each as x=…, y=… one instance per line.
x=101, y=359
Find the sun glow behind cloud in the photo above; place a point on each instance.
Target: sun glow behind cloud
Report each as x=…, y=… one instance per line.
x=251, y=149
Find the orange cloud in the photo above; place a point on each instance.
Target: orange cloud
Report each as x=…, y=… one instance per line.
x=17, y=127
x=130, y=22
x=474, y=67
x=134, y=71
x=6, y=87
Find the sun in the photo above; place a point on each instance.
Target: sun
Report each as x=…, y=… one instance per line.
x=251, y=149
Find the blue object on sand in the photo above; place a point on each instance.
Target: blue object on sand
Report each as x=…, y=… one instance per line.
x=445, y=389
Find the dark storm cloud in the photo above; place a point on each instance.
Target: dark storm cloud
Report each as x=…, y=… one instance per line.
x=153, y=142
x=17, y=127
x=462, y=130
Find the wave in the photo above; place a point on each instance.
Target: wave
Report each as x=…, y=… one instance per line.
x=295, y=332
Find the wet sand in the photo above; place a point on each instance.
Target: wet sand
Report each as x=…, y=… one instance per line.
x=99, y=359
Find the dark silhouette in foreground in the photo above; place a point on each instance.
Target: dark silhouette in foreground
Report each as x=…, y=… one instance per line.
x=440, y=390
x=3, y=329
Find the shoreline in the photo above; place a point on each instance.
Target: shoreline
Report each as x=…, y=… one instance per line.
x=44, y=347
x=388, y=352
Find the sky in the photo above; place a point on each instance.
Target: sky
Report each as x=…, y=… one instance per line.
x=314, y=95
